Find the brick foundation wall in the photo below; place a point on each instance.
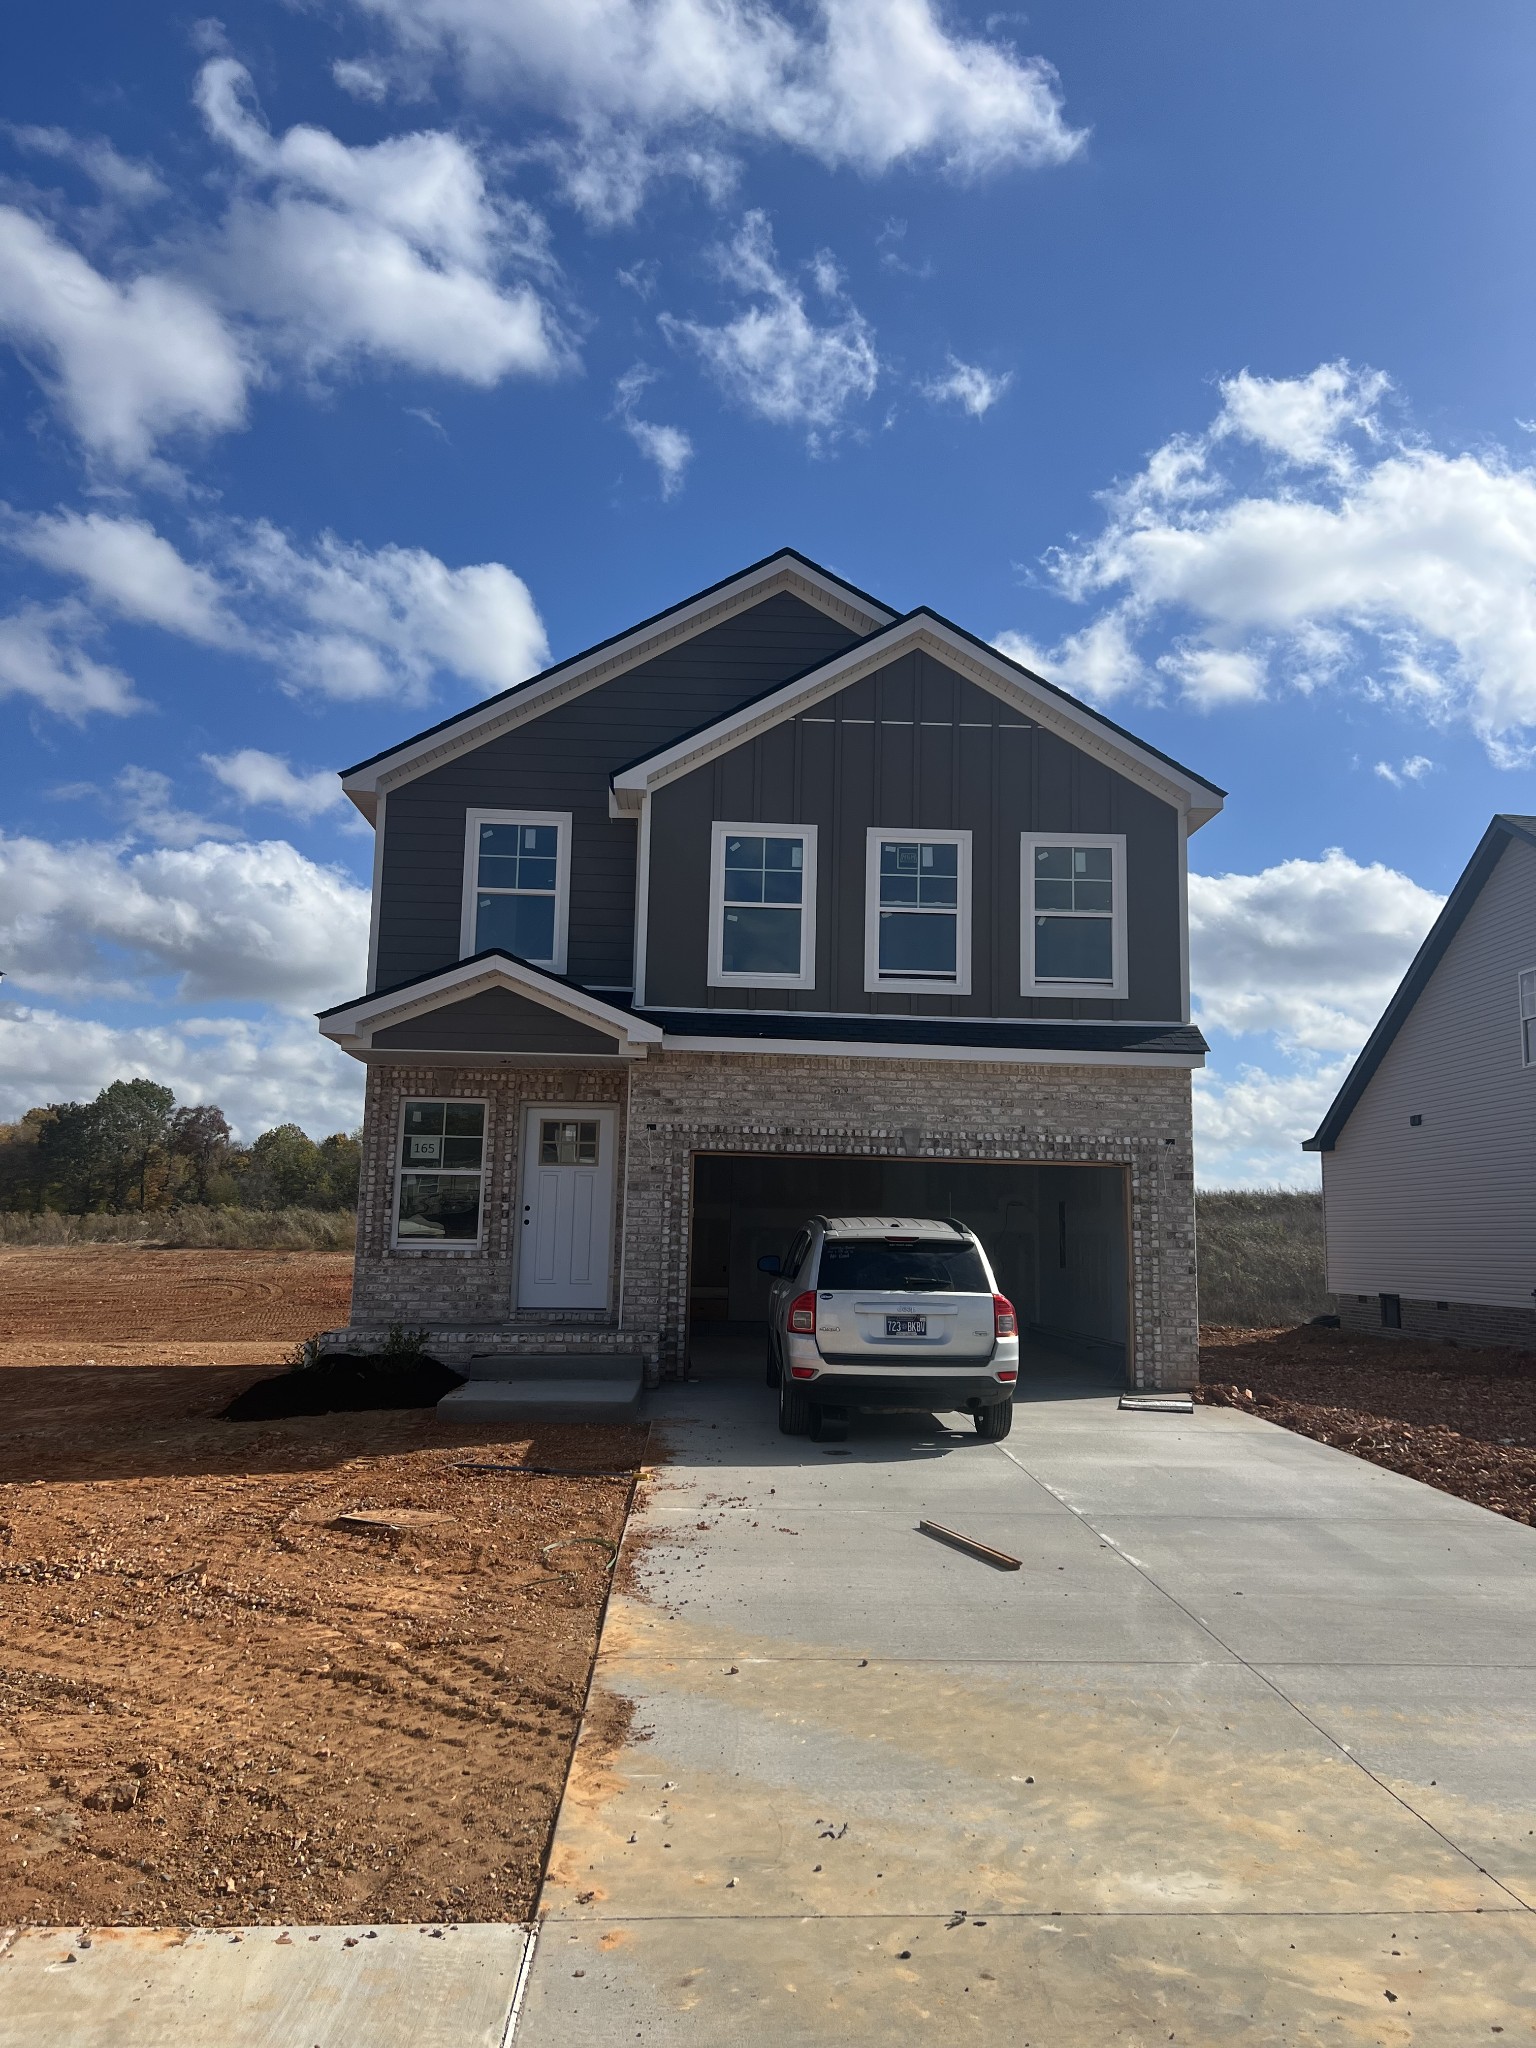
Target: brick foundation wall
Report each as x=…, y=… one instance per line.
x=1464, y=1322
x=681, y=1103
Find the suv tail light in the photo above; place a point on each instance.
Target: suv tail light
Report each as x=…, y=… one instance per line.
x=1005, y=1321
x=802, y=1315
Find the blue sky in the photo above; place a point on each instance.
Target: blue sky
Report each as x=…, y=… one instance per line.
x=356, y=359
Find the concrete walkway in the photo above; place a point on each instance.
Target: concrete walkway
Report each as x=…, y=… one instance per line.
x=1246, y=1751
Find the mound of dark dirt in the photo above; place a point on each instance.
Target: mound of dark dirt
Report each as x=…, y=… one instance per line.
x=347, y=1381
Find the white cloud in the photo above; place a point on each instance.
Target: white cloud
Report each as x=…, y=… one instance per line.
x=347, y=621
x=1414, y=769
x=1098, y=662
x=127, y=364
x=118, y=177
x=1404, y=569
x=396, y=251
x=1249, y=1127
x=42, y=655
x=1308, y=949
x=670, y=448
x=774, y=359
x=862, y=83
x=380, y=622
x=145, y=798
x=248, y=922
x=131, y=568
x=260, y=1073
x=362, y=80
x=258, y=778
x=974, y=390
x=1211, y=676
x=1302, y=420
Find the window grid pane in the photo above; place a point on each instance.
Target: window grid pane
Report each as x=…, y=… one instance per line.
x=442, y=1158
x=567, y=1144
x=919, y=923
x=1074, y=902
x=762, y=904
x=516, y=885
x=1528, y=993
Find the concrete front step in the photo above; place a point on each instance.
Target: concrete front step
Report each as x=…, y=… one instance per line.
x=591, y=1387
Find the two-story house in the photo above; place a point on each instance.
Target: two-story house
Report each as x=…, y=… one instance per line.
x=779, y=903
x=1429, y=1149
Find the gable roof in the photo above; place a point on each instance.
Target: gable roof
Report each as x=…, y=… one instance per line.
x=928, y=631
x=351, y=1024
x=1506, y=826
x=784, y=570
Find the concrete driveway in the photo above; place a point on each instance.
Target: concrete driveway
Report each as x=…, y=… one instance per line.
x=1246, y=1750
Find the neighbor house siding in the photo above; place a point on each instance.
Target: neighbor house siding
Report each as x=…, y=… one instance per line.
x=1446, y=1210
x=561, y=761
x=914, y=744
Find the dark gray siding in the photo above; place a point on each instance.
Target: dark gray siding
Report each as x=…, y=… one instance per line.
x=495, y=1020
x=562, y=762
x=915, y=744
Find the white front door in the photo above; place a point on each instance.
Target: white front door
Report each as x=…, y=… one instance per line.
x=566, y=1228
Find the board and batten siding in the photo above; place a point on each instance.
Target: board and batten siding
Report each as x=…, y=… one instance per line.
x=561, y=761
x=915, y=744
x=1447, y=1209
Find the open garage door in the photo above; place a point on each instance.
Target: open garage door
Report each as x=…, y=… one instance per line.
x=1056, y=1236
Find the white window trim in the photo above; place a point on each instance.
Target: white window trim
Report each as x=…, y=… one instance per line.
x=473, y=820
x=415, y=1244
x=876, y=983
x=805, y=977
x=1527, y=1021
x=1103, y=991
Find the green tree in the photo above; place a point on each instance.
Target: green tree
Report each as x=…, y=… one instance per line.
x=132, y=1124
x=285, y=1171
x=199, y=1141
x=342, y=1153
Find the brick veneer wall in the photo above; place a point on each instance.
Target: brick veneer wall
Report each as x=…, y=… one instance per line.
x=683, y=1103
x=1468, y=1322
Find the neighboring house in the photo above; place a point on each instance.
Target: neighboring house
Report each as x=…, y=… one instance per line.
x=1429, y=1152
x=779, y=903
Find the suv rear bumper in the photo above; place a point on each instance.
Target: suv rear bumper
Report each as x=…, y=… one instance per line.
x=933, y=1390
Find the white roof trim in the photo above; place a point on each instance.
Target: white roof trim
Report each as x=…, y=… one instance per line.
x=1199, y=800
x=355, y=1025
x=572, y=679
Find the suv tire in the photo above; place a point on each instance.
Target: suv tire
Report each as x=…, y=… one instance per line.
x=794, y=1409
x=994, y=1423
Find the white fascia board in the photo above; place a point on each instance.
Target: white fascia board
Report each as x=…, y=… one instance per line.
x=573, y=679
x=1195, y=800
x=469, y=977
x=996, y=1056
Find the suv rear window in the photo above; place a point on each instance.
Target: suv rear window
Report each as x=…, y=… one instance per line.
x=927, y=1268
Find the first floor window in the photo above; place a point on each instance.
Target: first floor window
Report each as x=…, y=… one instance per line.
x=1528, y=1016
x=919, y=911
x=515, y=885
x=442, y=1168
x=1074, y=915
x=764, y=906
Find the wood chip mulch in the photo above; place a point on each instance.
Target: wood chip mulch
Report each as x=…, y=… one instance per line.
x=1458, y=1419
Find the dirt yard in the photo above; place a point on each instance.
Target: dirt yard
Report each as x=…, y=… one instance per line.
x=1461, y=1420
x=122, y=1305
x=221, y=1703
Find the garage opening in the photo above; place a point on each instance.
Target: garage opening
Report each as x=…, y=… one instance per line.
x=1056, y=1236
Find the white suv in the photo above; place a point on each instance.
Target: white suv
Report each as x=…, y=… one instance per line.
x=889, y=1312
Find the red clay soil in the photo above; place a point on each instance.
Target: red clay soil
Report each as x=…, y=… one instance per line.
x=1459, y=1419
x=219, y=1702
x=123, y=1305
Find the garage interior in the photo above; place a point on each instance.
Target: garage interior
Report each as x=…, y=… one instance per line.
x=1056, y=1236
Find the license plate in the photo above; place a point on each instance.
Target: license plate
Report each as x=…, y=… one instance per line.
x=906, y=1326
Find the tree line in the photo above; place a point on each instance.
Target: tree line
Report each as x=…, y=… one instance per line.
x=136, y=1147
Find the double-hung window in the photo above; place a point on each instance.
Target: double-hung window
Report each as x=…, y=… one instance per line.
x=517, y=884
x=441, y=1173
x=1073, y=941
x=1528, y=1017
x=763, y=906
x=917, y=914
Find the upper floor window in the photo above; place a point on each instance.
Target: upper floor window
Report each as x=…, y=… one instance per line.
x=1074, y=914
x=1528, y=1017
x=442, y=1166
x=917, y=912
x=516, y=884
x=763, y=906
